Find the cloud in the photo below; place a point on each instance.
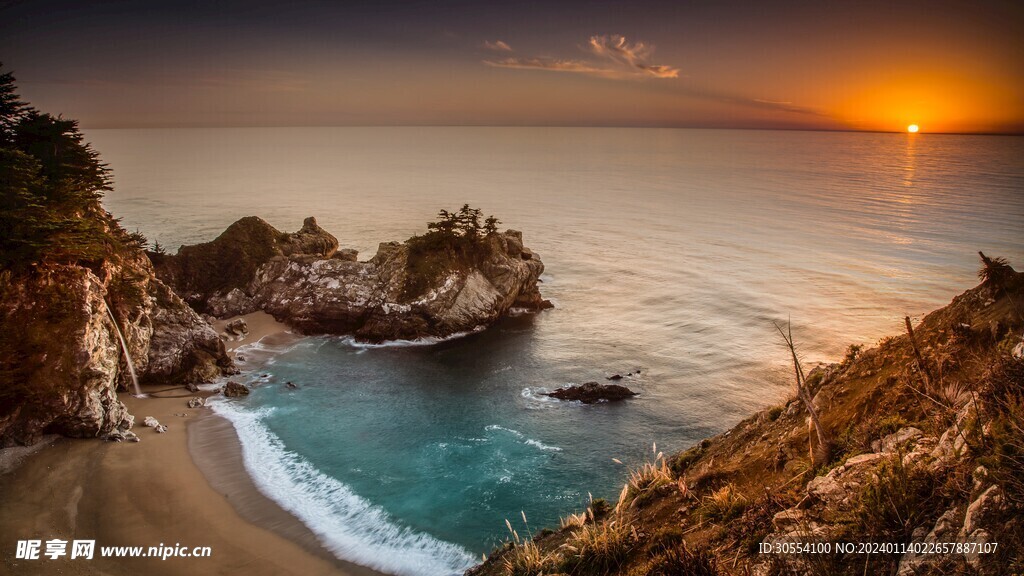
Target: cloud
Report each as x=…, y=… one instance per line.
x=550, y=64
x=614, y=56
x=497, y=46
x=634, y=56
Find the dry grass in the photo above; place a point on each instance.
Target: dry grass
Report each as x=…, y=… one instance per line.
x=680, y=561
x=901, y=498
x=645, y=481
x=599, y=547
x=723, y=504
x=525, y=558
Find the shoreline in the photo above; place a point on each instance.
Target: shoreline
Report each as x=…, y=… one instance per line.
x=216, y=451
x=188, y=486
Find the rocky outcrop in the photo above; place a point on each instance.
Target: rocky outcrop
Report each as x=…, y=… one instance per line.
x=406, y=291
x=592, y=392
x=212, y=276
x=61, y=358
x=234, y=390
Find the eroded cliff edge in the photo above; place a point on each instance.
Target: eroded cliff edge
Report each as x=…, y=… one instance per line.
x=71, y=279
x=61, y=357
x=926, y=461
x=434, y=285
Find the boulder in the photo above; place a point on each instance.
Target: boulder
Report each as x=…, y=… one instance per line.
x=592, y=392
x=150, y=422
x=233, y=389
x=981, y=509
x=347, y=255
x=237, y=327
x=195, y=402
x=897, y=440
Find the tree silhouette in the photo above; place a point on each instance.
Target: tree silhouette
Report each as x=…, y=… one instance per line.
x=50, y=181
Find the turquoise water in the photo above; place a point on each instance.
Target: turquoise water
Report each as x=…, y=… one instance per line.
x=671, y=251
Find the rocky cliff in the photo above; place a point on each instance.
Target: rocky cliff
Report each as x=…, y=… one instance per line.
x=64, y=262
x=61, y=353
x=926, y=438
x=429, y=286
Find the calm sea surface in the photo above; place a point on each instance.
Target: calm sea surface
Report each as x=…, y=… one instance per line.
x=668, y=251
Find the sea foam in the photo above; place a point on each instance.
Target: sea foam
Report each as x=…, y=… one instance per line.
x=521, y=436
x=425, y=341
x=349, y=526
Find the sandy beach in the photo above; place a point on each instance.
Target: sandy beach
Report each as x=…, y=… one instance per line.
x=187, y=486
x=260, y=325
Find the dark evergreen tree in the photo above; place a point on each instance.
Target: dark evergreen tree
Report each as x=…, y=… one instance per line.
x=50, y=184
x=491, y=225
x=11, y=107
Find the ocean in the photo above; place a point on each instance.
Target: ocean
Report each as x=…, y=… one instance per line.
x=668, y=252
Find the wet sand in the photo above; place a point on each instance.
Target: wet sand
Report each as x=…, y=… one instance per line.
x=260, y=325
x=152, y=493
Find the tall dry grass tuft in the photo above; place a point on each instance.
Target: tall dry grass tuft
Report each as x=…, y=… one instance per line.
x=525, y=558
x=599, y=547
x=645, y=481
x=723, y=504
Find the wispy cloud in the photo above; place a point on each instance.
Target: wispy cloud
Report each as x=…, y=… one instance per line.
x=614, y=57
x=543, y=63
x=634, y=56
x=497, y=46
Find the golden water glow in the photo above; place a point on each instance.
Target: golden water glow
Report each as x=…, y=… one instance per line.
x=912, y=128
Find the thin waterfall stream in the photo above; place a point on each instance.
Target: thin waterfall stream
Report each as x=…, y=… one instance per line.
x=124, y=347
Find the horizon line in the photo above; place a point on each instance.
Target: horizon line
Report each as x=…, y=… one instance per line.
x=628, y=126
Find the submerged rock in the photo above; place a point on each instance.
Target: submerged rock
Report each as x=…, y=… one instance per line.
x=234, y=389
x=591, y=392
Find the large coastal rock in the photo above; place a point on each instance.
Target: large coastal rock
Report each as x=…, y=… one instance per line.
x=406, y=291
x=62, y=361
x=592, y=392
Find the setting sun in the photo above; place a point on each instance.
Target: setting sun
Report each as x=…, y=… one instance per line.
x=912, y=128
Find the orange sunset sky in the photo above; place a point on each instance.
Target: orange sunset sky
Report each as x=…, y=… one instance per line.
x=945, y=66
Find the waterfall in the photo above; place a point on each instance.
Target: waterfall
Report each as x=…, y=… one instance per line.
x=124, y=347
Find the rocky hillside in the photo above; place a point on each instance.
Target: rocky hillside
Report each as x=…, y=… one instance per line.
x=924, y=445
x=65, y=262
x=434, y=285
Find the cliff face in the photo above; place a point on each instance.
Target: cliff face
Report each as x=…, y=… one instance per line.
x=63, y=261
x=927, y=447
x=62, y=359
x=405, y=291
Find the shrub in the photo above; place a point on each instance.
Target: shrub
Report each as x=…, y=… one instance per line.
x=901, y=498
x=994, y=270
x=723, y=504
x=680, y=561
x=852, y=353
x=682, y=462
x=1003, y=392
